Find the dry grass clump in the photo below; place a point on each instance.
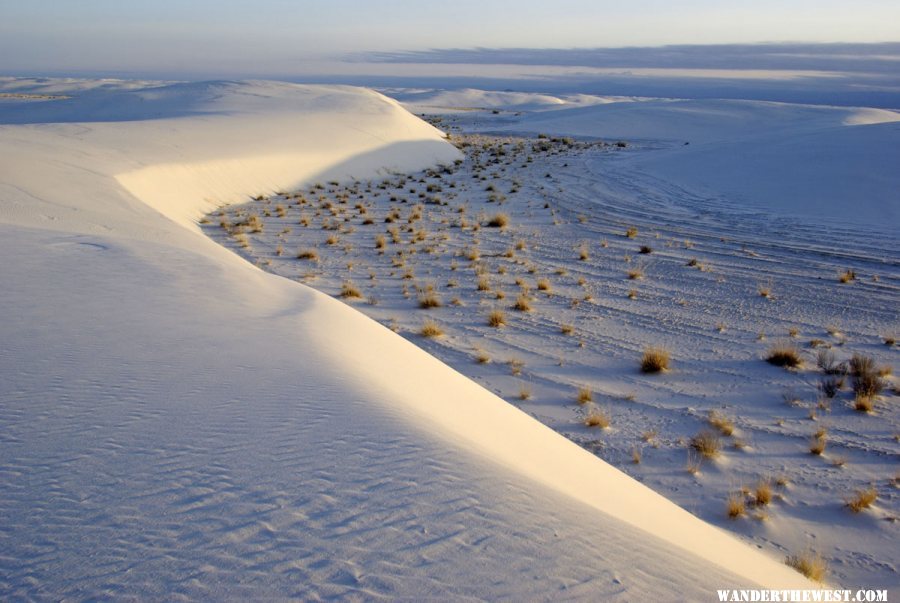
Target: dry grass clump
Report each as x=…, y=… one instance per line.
x=498, y=221
x=847, y=275
x=429, y=299
x=483, y=283
x=583, y=253
x=655, y=360
x=524, y=392
x=543, y=284
x=584, y=395
x=632, y=232
x=735, y=505
x=867, y=383
x=721, y=423
x=566, y=329
x=597, y=418
x=762, y=494
x=636, y=455
x=863, y=403
x=636, y=273
x=349, y=290
x=431, y=329
x=863, y=499
x=308, y=254
x=496, y=318
x=817, y=444
x=523, y=303
x=810, y=564
x=707, y=443
x=515, y=366
x=827, y=362
x=784, y=354
x=482, y=357
x=645, y=249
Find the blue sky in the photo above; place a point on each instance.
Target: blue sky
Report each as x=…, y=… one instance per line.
x=292, y=37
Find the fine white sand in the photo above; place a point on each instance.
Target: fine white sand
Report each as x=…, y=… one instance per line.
x=698, y=295
x=177, y=423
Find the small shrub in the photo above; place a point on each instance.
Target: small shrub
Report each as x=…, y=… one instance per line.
x=694, y=461
x=583, y=253
x=523, y=303
x=655, y=360
x=735, y=505
x=429, y=299
x=566, y=329
x=498, y=221
x=632, y=232
x=721, y=423
x=865, y=378
x=707, y=443
x=308, y=254
x=817, y=446
x=431, y=329
x=831, y=385
x=762, y=495
x=515, y=366
x=597, y=418
x=349, y=290
x=636, y=455
x=846, y=276
x=863, y=403
x=645, y=249
x=584, y=395
x=827, y=362
x=496, y=318
x=785, y=355
x=810, y=564
x=863, y=499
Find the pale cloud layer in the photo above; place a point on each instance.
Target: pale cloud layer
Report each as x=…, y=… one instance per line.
x=282, y=37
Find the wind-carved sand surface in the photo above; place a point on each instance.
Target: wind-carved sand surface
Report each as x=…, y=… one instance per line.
x=178, y=424
x=544, y=266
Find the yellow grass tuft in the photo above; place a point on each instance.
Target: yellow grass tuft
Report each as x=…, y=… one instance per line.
x=584, y=395
x=655, y=360
x=431, y=329
x=810, y=564
x=863, y=499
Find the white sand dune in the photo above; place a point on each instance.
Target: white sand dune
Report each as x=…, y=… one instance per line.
x=836, y=163
x=178, y=424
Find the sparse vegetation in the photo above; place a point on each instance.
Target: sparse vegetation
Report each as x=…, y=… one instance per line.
x=784, y=354
x=655, y=360
x=597, y=418
x=584, y=395
x=810, y=564
x=735, y=505
x=707, y=443
x=862, y=499
x=723, y=424
x=498, y=221
x=496, y=318
x=349, y=290
x=431, y=329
